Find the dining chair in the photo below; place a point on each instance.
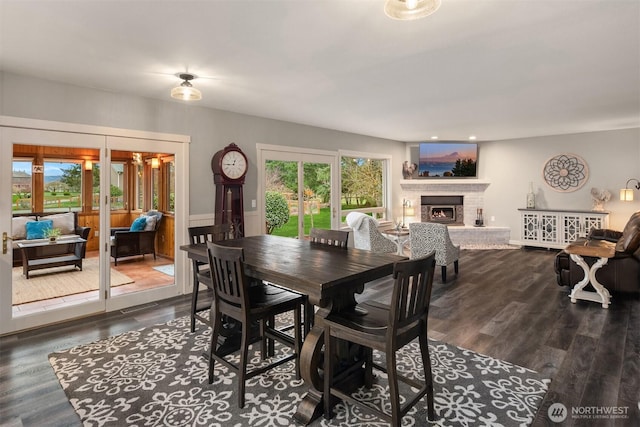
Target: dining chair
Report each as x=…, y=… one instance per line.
x=387, y=329
x=430, y=236
x=366, y=234
x=248, y=304
x=201, y=272
x=338, y=238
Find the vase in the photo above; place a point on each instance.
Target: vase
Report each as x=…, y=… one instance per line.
x=531, y=197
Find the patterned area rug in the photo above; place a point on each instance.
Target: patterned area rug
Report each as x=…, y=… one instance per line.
x=158, y=376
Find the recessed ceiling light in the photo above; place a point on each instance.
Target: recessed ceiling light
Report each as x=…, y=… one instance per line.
x=472, y=137
x=434, y=137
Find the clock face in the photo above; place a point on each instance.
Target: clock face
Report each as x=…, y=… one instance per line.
x=234, y=165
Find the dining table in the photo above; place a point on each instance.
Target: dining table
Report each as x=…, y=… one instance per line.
x=329, y=276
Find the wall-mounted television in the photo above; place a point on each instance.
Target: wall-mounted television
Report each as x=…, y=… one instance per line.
x=448, y=159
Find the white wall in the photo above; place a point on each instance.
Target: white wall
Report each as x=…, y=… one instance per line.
x=612, y=157
x=210, y=130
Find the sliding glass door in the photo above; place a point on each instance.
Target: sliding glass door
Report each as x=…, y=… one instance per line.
x=298, y=190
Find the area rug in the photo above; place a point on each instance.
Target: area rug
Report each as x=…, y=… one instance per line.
x=60, y=281
x=158, y=376
x=166, y=269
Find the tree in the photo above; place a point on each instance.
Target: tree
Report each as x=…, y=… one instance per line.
x=277, y=210
x=464, y=167
x=72, y=178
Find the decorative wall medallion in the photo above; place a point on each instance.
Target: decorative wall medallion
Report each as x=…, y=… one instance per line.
x=566, y=172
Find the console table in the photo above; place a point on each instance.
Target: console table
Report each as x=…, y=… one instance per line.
x=46, y=254
x=557, y=228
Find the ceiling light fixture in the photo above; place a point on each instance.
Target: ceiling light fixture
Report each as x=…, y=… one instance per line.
x=186, y=91
x=407, y=10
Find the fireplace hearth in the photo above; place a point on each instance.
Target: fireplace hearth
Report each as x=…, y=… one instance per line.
x=442, y=209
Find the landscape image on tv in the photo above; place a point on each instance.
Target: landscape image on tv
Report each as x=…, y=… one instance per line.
x=447, y=159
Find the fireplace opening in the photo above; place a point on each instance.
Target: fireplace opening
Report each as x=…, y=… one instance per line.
x=443, y=213
x=442, y=209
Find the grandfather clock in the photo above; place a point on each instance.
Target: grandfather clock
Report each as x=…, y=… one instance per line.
x=229, y=167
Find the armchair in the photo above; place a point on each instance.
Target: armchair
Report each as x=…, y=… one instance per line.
x=126, y=243
x=429, y=236
x=622, y=271
x=366, y=234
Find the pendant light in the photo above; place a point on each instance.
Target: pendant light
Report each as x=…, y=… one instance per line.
x=186, y=91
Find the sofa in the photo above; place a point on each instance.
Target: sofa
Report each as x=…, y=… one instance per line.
x=67, y=222
x=136, y=241
x=622, y=271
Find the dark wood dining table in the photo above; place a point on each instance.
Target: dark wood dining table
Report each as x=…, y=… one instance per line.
x=329, y=276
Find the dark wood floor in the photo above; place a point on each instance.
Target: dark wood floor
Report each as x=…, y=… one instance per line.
x=505, y=303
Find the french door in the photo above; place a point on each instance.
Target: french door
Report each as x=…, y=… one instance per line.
x=55, y=175
x=303, y=179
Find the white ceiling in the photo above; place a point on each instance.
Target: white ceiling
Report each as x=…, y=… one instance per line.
x=498, y=69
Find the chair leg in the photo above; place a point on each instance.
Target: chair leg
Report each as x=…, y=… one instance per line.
x=455, y=267
x=328, y=372
x=215, y=332
x=298, y=339
x=194, y=304
x=242, y=367
x=444, y=273
x=394, y=394
x=426, y=363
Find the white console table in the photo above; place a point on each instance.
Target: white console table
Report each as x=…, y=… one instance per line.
x=558, y=228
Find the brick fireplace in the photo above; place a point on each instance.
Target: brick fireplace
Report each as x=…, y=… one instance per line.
x=454, y=202
x=461, y=197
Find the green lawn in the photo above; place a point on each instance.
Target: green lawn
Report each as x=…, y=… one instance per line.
x=290, y=229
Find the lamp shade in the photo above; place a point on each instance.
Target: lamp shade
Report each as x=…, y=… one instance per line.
x=186, y=91
x=155, y=163
x=88, y=165
x=407, y=10
x=626, y=194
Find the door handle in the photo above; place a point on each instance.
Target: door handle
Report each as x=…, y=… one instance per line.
x=5, y=238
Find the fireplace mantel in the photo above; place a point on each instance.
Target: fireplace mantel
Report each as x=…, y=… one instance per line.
x=446, y=184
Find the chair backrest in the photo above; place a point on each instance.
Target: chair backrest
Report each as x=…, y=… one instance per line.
x=426, y=237
x=230, y=284
x=413, y=280
x=367, y=236
x=338, y=238
x=209, y=233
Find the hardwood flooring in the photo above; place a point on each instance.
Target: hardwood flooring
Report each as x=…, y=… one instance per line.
x=504, y=303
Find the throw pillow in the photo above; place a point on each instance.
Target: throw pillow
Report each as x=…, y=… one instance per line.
x=65, y=222
x=151, y=222
x=138, y=224
x=18, y=226
x=35, y=229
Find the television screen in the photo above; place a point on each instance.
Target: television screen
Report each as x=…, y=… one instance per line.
x=447, y=159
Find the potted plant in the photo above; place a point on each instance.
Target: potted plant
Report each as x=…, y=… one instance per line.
x=52, y=234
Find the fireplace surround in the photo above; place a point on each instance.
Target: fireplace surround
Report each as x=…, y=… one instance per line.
x=447, y=209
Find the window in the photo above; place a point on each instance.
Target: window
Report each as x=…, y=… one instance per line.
x=116, y=190
x=171, y=188
x=21, y=186
x=62, y=186
x=364, y=183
